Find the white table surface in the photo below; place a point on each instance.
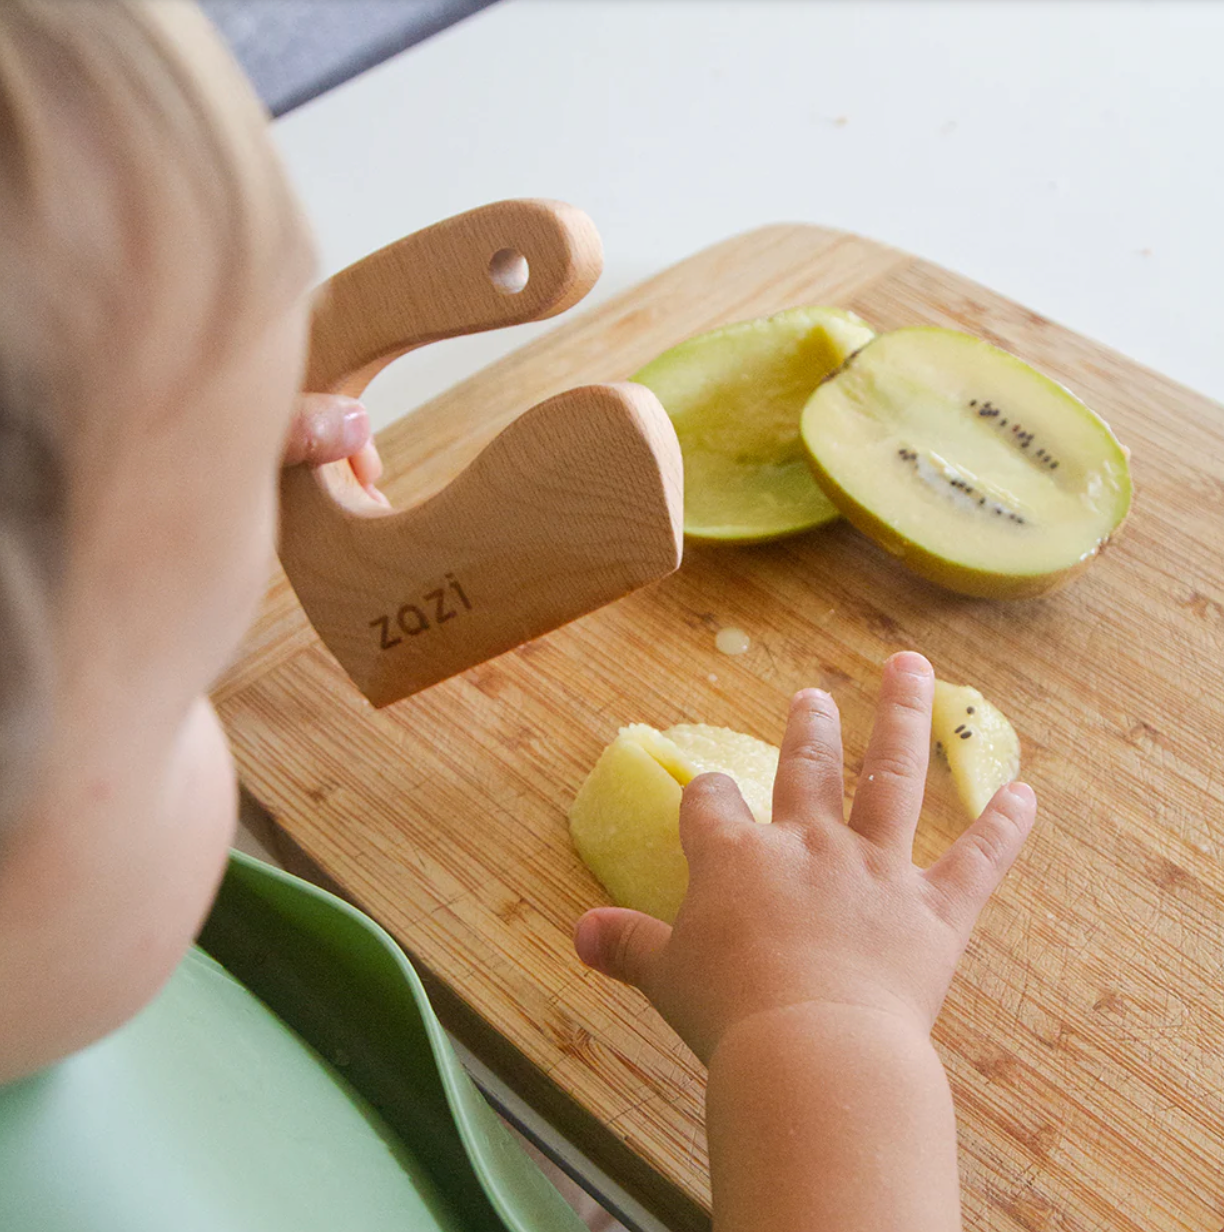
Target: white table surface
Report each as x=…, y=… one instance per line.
x=1069, y=155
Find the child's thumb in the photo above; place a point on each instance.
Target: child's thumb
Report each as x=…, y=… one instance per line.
x=624, y=944
x=325, y=428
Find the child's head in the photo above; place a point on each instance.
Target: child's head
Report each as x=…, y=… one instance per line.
x=152, y=328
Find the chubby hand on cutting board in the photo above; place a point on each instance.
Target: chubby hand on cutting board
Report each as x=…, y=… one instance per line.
x=807, y=966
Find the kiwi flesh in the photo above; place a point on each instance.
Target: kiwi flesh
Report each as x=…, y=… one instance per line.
x=974, y=737
x=977, y=470
x=735, y=396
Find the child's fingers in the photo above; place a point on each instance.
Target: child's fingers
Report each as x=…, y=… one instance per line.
x=888, y=799
x=710, y=803
x=623, y=944
x=326, y=428
x=367, y=465
x=809, y=782
x=368, y=468
x=969, y=872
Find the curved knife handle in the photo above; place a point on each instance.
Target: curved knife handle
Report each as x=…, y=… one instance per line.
x=461, y=276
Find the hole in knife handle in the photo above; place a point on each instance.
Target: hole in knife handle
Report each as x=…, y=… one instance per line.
x=508, y=271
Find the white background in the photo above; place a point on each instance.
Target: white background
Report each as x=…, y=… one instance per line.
x=1069, y=155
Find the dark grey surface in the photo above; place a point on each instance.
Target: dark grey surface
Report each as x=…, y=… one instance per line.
x=294, y=50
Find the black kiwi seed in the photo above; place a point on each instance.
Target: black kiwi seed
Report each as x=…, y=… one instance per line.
x=1023, y=438
x=965, y=735
x=960, y=729
x=969, y=710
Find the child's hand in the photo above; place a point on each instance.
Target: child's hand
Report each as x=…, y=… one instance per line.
x=330, y=428
x=811, y=909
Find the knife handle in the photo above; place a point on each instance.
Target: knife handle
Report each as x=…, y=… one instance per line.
x=501, y=264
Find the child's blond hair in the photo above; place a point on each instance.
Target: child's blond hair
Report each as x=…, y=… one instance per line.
x=131, y=148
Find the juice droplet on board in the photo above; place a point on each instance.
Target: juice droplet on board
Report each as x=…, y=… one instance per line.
x=732, y=641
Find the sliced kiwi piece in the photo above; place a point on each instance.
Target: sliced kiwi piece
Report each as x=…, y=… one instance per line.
x=978, y=471
x=979, y=744
x=735, y=396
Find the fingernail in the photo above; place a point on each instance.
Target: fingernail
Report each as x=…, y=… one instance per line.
x=586, y=939
x=378, y=494
x=710, y=781
x=815, y=695
x=910, y=663
x=1022, y=791
x=354, y=428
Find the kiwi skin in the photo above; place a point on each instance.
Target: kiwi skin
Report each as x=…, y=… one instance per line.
x=976, y=583
x=728, y=537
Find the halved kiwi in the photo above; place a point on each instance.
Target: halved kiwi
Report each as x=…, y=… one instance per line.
x=735, y=396
x=979, y=472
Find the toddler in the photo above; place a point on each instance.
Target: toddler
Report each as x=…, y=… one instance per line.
x=155, y=272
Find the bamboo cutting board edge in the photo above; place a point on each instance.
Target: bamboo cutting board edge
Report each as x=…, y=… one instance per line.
x=1082, y=1018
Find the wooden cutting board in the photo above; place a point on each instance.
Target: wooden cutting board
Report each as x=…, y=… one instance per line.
x=1084, y=1033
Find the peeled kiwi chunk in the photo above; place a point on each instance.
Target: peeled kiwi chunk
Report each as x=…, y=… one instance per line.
x=735, y=396
x=976, y=740
x=979, y=472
